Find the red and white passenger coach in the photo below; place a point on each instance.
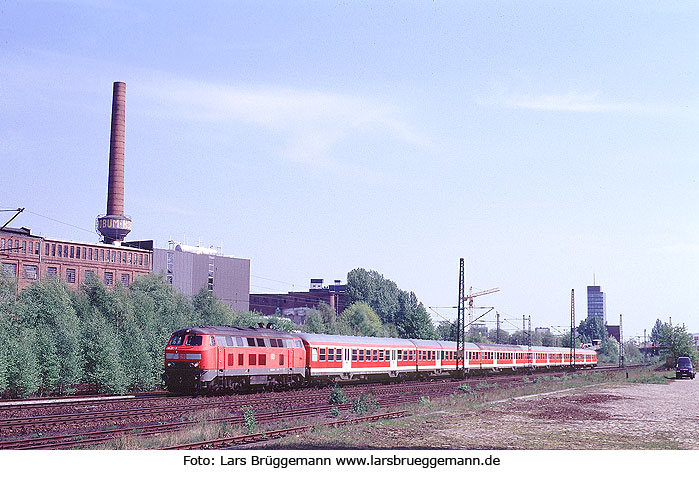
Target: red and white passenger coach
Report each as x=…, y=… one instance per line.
x=217, y=357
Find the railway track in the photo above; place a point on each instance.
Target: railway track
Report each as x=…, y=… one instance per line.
x=268, y=407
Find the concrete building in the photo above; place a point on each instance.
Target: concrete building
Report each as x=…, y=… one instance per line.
x=193, y=268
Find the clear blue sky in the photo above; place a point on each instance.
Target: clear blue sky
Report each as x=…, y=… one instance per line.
x=544, y=142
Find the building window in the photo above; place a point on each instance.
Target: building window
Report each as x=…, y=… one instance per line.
x=2, y=244
x=89, y=274
x=108, y=278
x=130, y=257
x=113, y=256
x=31, y=247
x=72, y=251
x=46, y=250
x=53, y=250
x=37, y=249
x=169, y=278
x=70, y=275
x=24, y=247
x=125, y=279
x=140, y=259
x=146, y=260
x=51, y=272
x=9, y=269
x=30, y=271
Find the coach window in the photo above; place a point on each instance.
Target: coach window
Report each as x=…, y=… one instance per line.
x=354, y=355
x=375, y=355
x=314, y=354
x=361, y=355
x=322, y=354
x=380, y=354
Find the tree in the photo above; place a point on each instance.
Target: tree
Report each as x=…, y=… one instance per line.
x=360, y=320
x=211, y=310
x=675, y=341
x=395, y=308
x=47, y=308
x=591, y=329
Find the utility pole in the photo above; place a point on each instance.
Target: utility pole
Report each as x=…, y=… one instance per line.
x=621, y=344
x=645, y=347
x=497, y=331
x=460, y=325
x=572, y=327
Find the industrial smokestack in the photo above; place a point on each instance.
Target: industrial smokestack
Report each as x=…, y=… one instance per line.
x=115, y=189
x=114, y=226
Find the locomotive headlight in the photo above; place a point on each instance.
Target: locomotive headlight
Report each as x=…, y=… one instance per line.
x=195, y=365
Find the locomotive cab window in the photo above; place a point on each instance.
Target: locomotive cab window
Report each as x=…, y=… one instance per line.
x=193, y=340
x=177, y=340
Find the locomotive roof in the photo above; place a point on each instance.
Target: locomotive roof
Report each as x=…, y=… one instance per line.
x=234, y=331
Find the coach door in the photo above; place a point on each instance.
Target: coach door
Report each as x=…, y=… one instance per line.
x=346, y=364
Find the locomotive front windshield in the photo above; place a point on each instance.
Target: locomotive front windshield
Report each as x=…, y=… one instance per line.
x=193, y=341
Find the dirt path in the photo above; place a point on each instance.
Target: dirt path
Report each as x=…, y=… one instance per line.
x=634, y=416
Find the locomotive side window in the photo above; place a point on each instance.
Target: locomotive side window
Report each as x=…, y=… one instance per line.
x=193, y=340
x=251, y=341
x=261, y=342
x=262, y=359
x=281, y=360
x=298, y=343
x=177, y=340
x=252, y=359
x=241, y=359
x=212, y=341
x=239, y=341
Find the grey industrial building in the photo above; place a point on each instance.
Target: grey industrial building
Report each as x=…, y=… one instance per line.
x=193, y=268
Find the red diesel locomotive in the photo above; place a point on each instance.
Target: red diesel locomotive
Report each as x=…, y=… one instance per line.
x=210, y=358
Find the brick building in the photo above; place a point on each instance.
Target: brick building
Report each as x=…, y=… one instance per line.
x=293, y=303
x=30, y=258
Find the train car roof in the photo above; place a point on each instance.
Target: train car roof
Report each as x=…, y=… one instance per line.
x=233, y=331
x=342, y=339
